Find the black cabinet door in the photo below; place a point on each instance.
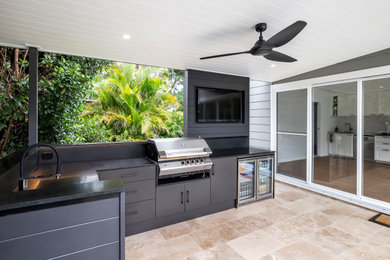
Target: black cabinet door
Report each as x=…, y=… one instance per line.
x=224, y=180
x=197, y=194
x=170, y=199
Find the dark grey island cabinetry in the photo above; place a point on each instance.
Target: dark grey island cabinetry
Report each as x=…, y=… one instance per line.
x=140, y=194
x=224, y=180
x=64, y=221
x=181, y=197
x=152, y=201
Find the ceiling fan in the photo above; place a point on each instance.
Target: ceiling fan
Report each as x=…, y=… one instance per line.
x=265, y=48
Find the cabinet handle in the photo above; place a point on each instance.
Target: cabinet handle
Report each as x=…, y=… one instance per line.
x=386, y=143
x=182, y=197
x=188, y=197
x=132, y=213
x=385, y=150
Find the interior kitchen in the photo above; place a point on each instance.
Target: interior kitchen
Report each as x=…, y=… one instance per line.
x=256, y=130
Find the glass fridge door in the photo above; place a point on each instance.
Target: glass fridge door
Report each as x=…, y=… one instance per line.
x=246, y=177
x=264, y=176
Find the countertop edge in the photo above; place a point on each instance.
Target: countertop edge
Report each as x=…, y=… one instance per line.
x=241, y=153
x=87, y=191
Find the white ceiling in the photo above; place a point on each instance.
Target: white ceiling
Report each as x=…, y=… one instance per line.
x=173, y=33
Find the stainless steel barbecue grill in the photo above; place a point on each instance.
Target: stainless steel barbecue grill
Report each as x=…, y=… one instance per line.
x=180, y=157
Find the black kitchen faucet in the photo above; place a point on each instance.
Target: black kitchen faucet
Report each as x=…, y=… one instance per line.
x=23, y=181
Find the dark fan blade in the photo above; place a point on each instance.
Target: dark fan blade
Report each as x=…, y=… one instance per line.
x=223, y=55
x=277, y=56
x=286, y=35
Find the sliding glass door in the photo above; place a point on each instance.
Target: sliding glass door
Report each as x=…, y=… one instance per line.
x=344, y=148
x=334, y=134
x=291, y=133
x=376, y=139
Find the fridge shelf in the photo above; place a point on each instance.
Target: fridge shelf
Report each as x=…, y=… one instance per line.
x=246, y=190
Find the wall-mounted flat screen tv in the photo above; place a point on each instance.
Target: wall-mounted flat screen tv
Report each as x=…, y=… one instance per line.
x=219, y=105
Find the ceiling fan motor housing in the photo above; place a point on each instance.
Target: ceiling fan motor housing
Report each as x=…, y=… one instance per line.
x=261, y=27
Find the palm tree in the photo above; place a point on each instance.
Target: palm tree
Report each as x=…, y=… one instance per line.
x=133, y=101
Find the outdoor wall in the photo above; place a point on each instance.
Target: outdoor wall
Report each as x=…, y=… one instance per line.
x=260, y=114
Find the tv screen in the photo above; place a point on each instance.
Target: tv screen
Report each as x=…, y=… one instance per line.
x=219, y=105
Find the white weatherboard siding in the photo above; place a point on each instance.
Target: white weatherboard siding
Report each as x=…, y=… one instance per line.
x=259, y=114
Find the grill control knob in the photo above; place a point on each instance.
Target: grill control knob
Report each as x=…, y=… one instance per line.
x=192, y=161
x=182, y=162
x=202, y=160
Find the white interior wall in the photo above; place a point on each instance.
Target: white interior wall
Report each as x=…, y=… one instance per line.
x=326, y=121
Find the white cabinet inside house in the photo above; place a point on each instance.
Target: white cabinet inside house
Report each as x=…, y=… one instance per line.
x=382, y=148
x=384, y=103
x=370, y=104
x=341, y=144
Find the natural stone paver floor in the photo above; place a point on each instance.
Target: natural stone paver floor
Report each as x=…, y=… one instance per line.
x=297, y=224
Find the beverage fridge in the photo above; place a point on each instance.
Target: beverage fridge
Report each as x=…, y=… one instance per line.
x=255, y=179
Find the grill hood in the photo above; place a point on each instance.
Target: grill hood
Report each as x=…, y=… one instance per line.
x=178, y=148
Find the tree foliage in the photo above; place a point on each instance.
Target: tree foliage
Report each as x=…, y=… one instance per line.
x=13, y=99
x=64, y=81
x=85, y=100
x=135, y=103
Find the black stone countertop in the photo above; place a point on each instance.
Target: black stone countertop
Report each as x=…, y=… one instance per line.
x=240, y=152
x=78, y=180
x=58, y=191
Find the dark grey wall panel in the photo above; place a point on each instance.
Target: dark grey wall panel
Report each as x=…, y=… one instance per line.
x=197, y=78
x=99, y=151
x=376, y=59
x=228, y=143
x=61, y=241
x=32, y=222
